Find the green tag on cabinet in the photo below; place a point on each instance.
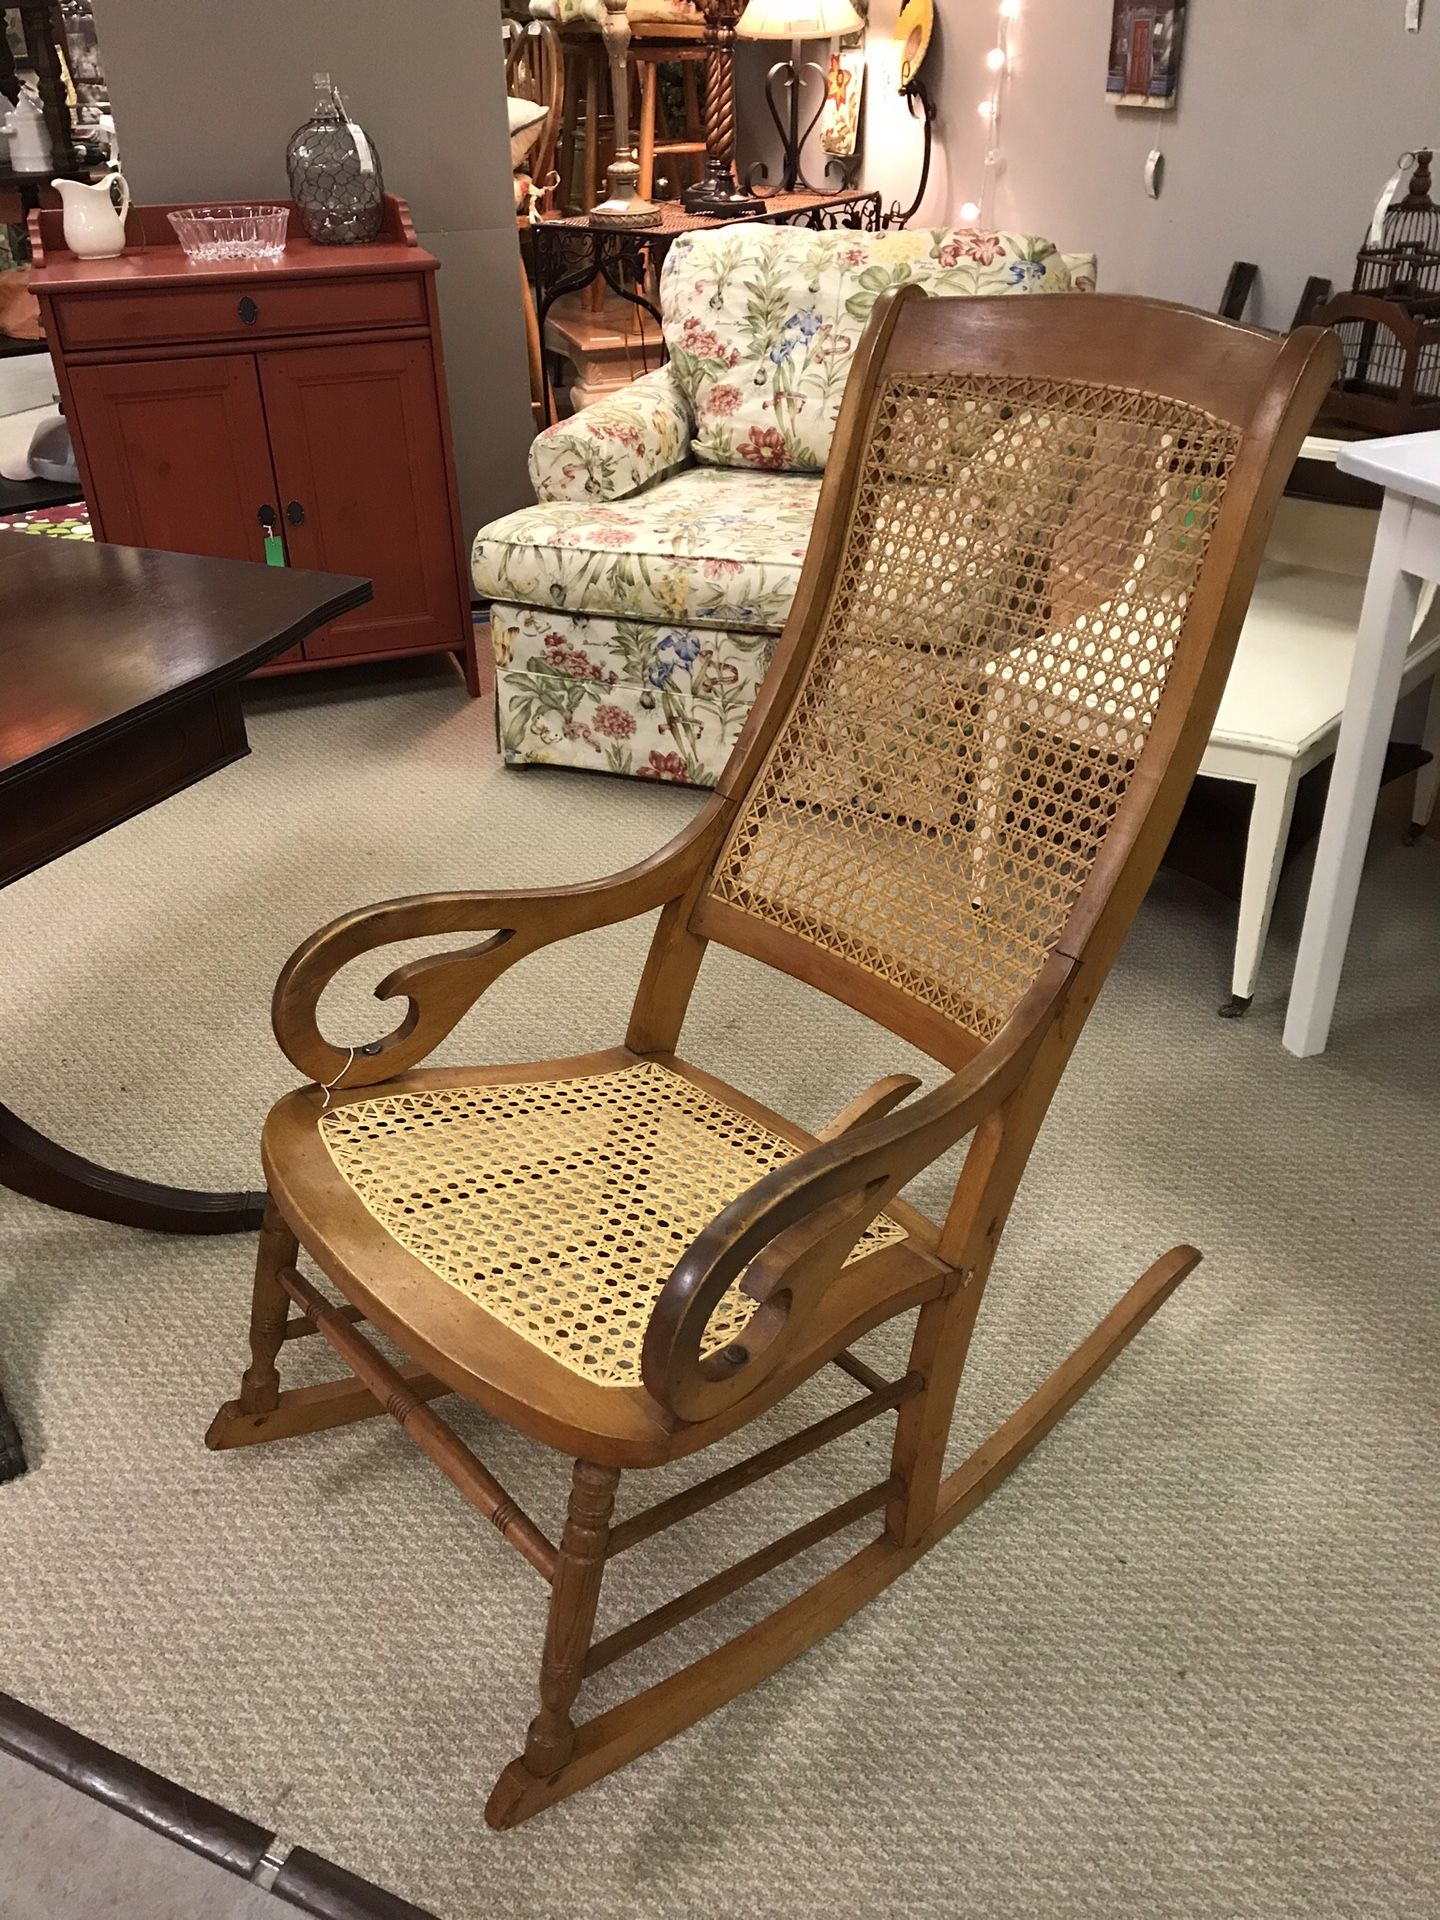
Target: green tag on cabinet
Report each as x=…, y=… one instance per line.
x=274, y=550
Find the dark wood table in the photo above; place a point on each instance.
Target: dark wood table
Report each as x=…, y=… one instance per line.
x=120, y=674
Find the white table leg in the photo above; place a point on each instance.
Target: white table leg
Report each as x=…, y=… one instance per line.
x=1387, y=620
x=1270, y=814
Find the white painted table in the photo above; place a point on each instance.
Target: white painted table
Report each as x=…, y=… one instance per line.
x=1406, y=557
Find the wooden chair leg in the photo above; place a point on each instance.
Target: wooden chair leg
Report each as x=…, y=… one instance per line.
x=569, y=120
x=648, y=76
x=597, y=78
x=534, y=352
x=938, y=1352
x=594, y=81
x=261, y=1411
x=269, y=1310
x=574, y=1596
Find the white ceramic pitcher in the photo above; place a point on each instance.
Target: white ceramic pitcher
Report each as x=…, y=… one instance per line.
x=95, y=216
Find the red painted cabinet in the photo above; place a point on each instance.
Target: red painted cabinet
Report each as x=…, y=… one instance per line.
x=360, y=471
x=178, y=453
x=212, y=402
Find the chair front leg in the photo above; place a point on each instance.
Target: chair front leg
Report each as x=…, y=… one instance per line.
x=574, y=1597
x=269, y=1310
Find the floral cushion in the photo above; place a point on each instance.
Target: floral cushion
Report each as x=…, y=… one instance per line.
x=623, y=696
x=570, y=13
x=642, y=13
x=708, y=547
x=762, y=322
x=619, y=445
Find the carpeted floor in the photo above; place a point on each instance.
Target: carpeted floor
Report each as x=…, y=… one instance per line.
x=1181, y=1666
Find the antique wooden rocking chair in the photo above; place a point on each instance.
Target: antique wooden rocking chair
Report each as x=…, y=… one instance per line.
x=1038, y=534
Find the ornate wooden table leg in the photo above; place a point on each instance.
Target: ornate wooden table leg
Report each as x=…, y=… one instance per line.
x=43, y=1170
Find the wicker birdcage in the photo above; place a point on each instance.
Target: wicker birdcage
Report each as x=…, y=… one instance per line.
x=1389, y=323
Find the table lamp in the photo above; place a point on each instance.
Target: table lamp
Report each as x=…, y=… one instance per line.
x=717, y=192
x=624, y=204
x=795, y=21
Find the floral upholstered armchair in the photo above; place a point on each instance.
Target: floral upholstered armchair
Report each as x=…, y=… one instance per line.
x=635, y=609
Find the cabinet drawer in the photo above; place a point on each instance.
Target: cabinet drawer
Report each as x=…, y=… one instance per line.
x=240, y=310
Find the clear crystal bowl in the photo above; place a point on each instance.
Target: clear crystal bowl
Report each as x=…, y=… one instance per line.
x=231, y=233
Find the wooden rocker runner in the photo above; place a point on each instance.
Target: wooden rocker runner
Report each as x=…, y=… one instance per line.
x=1037, y=537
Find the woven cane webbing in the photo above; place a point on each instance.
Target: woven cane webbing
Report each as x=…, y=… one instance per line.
x=1016, y=578
x=562, y=1206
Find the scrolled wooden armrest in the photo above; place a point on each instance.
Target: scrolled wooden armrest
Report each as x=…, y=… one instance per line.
x=441, y=988
x=790, y=1234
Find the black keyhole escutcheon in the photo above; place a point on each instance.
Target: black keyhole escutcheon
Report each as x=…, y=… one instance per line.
x=295, y=513
x=266, y=517
x=248, y=311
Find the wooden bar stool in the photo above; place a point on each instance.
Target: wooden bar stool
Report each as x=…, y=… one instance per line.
x=586, y=120
x=647, y=57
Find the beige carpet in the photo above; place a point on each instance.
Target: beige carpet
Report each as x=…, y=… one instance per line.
x=1181, y=1666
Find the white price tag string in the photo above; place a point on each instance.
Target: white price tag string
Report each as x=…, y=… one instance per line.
x=1382, y=205
x=357, y=134
x=362, y=148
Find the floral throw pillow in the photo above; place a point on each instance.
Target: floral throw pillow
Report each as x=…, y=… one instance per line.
x=762, y=322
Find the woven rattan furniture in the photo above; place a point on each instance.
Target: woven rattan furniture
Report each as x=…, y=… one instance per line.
x=1033, y=553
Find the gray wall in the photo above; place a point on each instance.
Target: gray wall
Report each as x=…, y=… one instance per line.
x=1291, y=116
x=208, y=92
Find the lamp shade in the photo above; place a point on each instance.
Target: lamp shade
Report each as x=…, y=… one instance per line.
x=797, y=20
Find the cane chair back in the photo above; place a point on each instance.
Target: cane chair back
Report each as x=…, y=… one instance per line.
x=1015, y=567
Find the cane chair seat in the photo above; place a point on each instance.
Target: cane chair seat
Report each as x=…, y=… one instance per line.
x=561, y=1206
x=528, y=1217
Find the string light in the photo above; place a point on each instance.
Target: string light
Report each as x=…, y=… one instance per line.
x=997, y=65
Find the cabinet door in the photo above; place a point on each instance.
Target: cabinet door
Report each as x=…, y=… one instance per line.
x=177, y=453
x=361, y=466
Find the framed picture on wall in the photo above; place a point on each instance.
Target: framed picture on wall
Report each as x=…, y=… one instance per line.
x=1147, y=38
